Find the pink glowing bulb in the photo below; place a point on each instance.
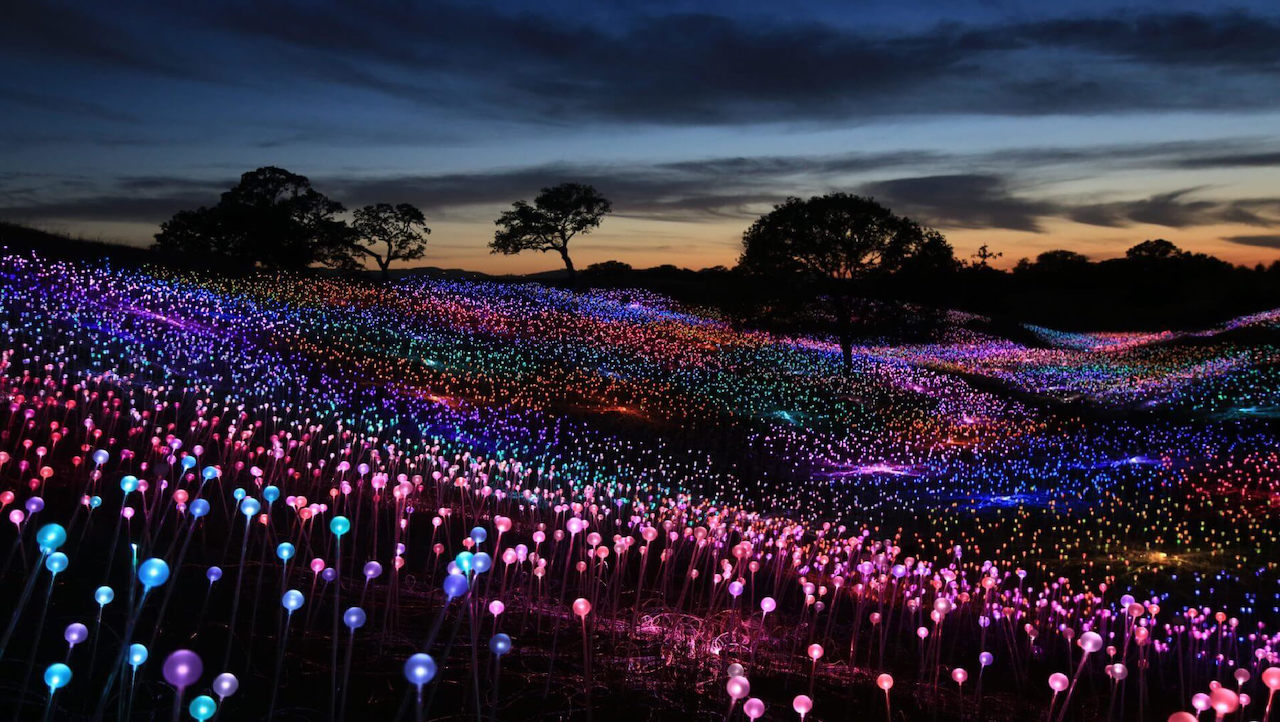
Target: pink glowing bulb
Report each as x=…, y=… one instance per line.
x=768, y=604
x=1271, y=678
x=1224, y=701
x=815, y=652
x=959, y=675
x=1200, y=701
x=802, y=704
x=1182, y=717
x=1090, y=642
x=496, y=607
x=753, y=708
x=581, y=607
x=885, y=682
x=738, y=687
x=1058, y=682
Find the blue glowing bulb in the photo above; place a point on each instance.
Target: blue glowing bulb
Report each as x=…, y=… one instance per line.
x=463, y=560
x=354, y=618
x=129, y=484
x=137, y=655
x=153, y=572
x=420, y=669
x=199, y=508
x=57, y=676
x=292, y=600
x=56, y=562
x=285, y=551
x=339, y=525
x=104, y=595
x=500, y=644
x=455, y=585
x=202, y=707
x=50, y=537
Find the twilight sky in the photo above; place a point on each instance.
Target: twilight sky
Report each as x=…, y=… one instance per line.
x=1016, y=124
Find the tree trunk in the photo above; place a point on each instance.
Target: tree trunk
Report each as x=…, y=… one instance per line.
x=844, y=330
x=386, y=268
x=568, y=265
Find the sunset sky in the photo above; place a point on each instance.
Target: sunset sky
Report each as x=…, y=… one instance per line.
x=1090, y=126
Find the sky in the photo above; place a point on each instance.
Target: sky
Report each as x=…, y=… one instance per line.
x=1027, y=126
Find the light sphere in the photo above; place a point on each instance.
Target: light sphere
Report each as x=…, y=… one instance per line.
x=354, y=618
x=137, y=655
x=202, y=708
x=581, y=607
x=56, y=676
x=735, y=670
x=50, y=537
x=802, y=704
x=1224, y=701
x=104, y=595
x=153, y=572
x=183, y=668
x=885, y=682
x=292, y=600
x=738, y=687
x=75, y=633
x=339, y=525
x=420, y=669
x=1091, y=642
x=753, y=708
x=225, y=685
x=1058, y=682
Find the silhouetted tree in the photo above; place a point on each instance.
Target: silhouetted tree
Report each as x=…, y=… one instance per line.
x=1058, y=261
x=1157, y=249
x=609, y=267
x=271, y=218
x=557, y=215
x=984, y=256
x=389, y=233
x=837, y=249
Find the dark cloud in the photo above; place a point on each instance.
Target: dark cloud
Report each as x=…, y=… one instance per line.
x=133, y=207
x=678, y=68
x=711, y=189
x=1176, y=209
x=1260, y=241
x=1230, y=160
x=962, y=201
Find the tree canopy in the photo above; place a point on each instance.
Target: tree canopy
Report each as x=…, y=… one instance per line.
x=389, y=233
x=840, y=249
x=557, y=215
x=272, y=218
